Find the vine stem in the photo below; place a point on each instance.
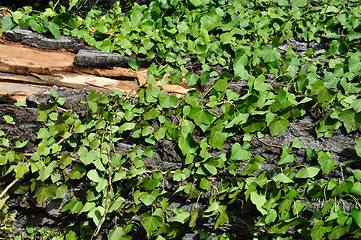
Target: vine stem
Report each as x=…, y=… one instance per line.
x=240, y=220
x=11, y=184
x=109, y=179
x=8, y=187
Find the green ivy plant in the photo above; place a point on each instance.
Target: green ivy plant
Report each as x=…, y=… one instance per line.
x=244, y=38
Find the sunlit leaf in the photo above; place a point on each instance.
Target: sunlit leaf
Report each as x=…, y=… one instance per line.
x=308, y=172
x=200, y=116
x=180, y=218
x=238, y=153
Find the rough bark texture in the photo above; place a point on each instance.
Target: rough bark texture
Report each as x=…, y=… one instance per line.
x=41, y=41
x=87, y=56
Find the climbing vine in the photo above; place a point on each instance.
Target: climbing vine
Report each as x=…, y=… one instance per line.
x=245, y=38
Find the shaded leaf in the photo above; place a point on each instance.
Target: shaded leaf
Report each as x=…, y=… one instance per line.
x=151, y=222
x=45, y=192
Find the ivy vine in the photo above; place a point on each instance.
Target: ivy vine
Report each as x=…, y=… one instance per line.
x=247, y=40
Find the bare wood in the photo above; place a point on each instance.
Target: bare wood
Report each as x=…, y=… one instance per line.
x=74, y=81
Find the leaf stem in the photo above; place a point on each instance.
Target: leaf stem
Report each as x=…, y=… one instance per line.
x=109, y=178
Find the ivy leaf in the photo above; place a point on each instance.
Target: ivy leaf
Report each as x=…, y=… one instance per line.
x=239, y=154
x=116, y=204
x=196, y=3
x=96, y=214
x=54, y=29
x=45, y=172
x=297, y=143
x=356, y=216
x=7, y=23
x=309, y=172
x=200, y=116
x=93, y=175
x=20, y=170
x=42, y=116
x=72, y=3
x=253, y=165
x=166, y=100
x=77, y=173
x=259, y=201
x=126, y=44
x=160, y=133
x=282, y=178
x=271, y=216
x=192, y=79
x=299, y=3
x=325, y=95
x=222, y=219
x=350, y=119
x=43, y=149
x=210, y=20
x=150, y=183
x=270, y=54
x=278, y=125
x=134, y=63
x=103, y=183
x=358, y=149
x=326, y=163
x=79, y=127
x=318, y=230
x=221, y=84
x=116, y=233
x=180, y=218
x=210, y=168
x=204, y=184
x=240, y=119
x=339, y=231
x=126, y=126
x=217, y=138
x=176, y=77
x=354, y=64
x=88, y=206
x=356, y=105
x=357, y=172
x=282, y=227
x=149, y=198
x=71, y=236
x=61, y=191
x=183, y=27
x=187, y=144
x=9, y=119
x=147, y=43
x=194, y=217
x=151, y=222
x=343, y=187
x=45, y=192
x=77, y=207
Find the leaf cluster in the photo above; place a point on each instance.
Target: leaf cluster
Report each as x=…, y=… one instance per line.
x=245, y=38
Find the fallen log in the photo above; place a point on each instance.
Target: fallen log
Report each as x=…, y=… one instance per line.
x=49, y=67
x=73, y=80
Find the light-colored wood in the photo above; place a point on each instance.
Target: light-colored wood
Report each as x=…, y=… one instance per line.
x=26, y=64
x=73, y=80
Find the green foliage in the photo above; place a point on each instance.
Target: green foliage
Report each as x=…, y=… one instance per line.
x=242, y=36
